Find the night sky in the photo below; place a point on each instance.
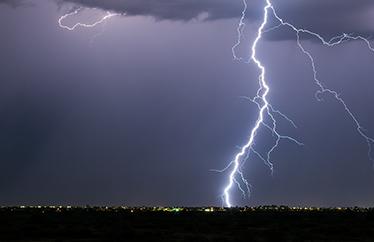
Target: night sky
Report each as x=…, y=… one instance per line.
x=137, y=111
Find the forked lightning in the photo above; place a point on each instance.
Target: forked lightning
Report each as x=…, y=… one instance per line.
x=236, y=176
x=265, y=110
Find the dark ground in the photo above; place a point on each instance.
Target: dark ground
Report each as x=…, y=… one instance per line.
x=268, y=224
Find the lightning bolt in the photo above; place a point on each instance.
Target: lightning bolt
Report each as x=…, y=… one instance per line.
x=106, y=17
x=266, y=110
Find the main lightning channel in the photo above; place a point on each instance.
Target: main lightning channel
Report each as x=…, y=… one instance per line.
x=265, y=108
x=264, y=88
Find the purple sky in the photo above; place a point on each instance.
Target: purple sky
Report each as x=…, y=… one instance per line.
x=140, y=115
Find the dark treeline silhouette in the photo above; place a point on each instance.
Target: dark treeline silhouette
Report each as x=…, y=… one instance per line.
x=261, y=224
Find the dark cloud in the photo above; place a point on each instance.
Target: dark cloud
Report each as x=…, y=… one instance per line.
x=165, y=9
x=14, y=3
x=328, y=18
x=18, y=3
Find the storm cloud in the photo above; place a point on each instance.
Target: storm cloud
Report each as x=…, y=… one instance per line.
x=13, y=3
x=333, y=17
x=326, y=17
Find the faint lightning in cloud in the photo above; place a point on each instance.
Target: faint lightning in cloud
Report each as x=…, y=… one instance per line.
x=266, y=110
x=240, y=30
x=106, y=17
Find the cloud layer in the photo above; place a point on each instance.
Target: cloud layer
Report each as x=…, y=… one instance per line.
x=166, y=9
x=13, y=3
x=328, y=17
